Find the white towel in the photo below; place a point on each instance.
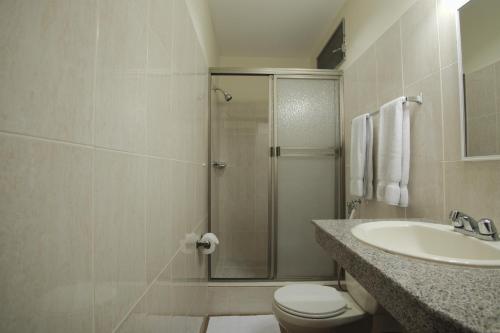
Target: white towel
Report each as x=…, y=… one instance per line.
x=393, y=158
x=361, y=182
x=405, y=172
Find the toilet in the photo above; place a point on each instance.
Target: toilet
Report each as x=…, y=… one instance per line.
x=313, y=308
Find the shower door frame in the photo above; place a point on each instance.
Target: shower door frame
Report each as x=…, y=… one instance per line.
x=273, y=74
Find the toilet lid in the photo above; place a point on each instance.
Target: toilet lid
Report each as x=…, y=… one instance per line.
x=310, y=300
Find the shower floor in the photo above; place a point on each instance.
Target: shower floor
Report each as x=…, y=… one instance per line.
x=243, y=324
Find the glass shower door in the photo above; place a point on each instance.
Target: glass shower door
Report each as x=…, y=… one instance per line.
x=307, y=136
x=240, y=177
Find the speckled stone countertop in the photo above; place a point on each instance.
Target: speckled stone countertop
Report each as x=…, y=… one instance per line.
x=423, y=296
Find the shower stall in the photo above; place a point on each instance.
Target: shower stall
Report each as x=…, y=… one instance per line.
x=275, y=157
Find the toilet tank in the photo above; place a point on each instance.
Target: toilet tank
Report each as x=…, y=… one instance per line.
x=360, y=295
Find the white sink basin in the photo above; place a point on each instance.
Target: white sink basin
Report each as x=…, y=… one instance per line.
x=429, y=241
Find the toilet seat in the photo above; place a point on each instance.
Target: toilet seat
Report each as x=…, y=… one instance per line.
x=310, y=301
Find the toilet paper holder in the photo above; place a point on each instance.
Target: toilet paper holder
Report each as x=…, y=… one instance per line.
x=207, y=243
x=203, y=243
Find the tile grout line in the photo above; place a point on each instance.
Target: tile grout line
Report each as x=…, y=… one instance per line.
x=95, y=147
x=93, y=175
x=147, y=176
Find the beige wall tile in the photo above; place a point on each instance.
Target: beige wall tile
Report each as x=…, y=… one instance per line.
x=122, y=35
x=161, y=243
x=160, y=35
x=474, y=188
x=389, y=64
x=426, y=120
x=366, y=73
x=159, y=115
x=51, y=79
x=426, y=175
x=377, y=210
x=120, y=116
x=350, y=107
x=447, y=33
x=45, y=235
x=451, y=113
x=420, y=41
x=497, y=84
x=120, y=120
x=47, y=68
x=425, y=189
x=120, y=217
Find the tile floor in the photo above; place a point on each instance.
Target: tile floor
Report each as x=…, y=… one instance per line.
x=243, y=324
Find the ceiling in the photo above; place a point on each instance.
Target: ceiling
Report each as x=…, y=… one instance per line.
x=271, y=28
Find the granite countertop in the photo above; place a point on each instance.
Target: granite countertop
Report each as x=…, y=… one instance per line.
x=423, y=296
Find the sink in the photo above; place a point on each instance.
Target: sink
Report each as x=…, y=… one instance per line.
x=429, y=241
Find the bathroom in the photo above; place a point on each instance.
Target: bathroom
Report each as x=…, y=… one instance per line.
x=193, y=166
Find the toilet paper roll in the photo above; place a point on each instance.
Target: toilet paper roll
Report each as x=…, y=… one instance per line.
x=212, y=239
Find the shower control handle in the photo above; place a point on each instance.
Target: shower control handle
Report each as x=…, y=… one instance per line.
x=219, y=164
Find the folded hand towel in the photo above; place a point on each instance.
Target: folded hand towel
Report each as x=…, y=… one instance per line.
x=361, y=157
x=393, y=153
x=405, y=171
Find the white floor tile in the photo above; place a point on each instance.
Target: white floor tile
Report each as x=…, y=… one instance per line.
x=243, y=324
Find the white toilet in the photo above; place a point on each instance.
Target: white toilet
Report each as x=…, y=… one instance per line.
x=312, y=308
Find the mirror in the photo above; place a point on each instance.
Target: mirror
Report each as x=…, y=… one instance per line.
x=479, y=47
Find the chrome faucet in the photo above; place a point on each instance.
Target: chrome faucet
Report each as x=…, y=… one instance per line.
x=483, y=229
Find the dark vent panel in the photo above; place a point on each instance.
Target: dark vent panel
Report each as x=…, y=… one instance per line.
x=333, y=54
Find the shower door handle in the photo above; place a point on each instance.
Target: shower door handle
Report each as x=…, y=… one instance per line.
x=219, y=164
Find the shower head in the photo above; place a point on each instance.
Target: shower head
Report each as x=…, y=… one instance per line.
x=227, y=96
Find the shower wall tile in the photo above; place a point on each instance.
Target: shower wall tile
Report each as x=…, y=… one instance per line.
x=120, y=115
x=419, y=36
x=120, y=218
x=46, y=68
x=45, y=236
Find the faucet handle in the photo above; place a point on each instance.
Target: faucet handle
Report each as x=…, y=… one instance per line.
x=487, y=227
x=455, y=219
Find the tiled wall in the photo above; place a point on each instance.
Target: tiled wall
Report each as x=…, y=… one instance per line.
x=482, y=89
x=103, y=131
x=418, y=54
